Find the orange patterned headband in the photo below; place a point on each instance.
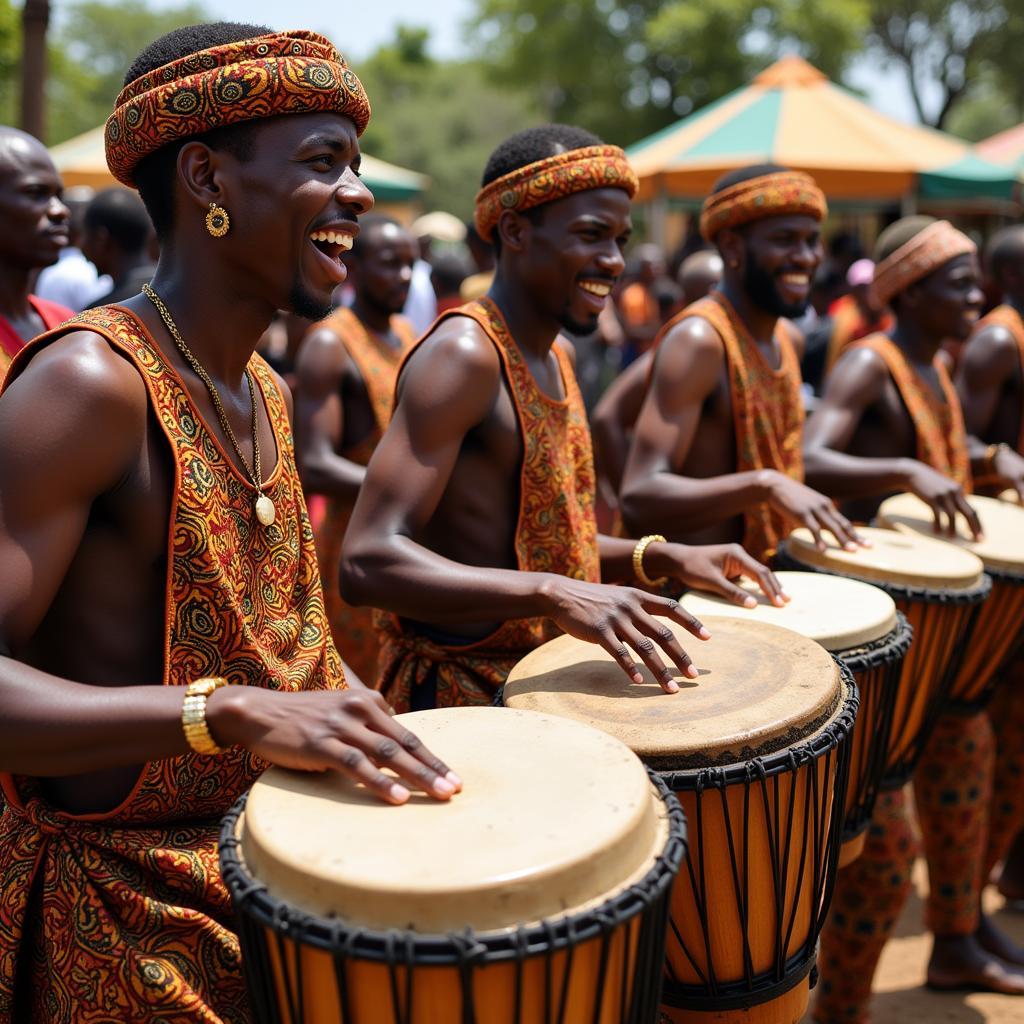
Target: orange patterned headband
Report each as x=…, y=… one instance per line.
x=553, y=178
x=928, y=250
x=771, y=195
x=279, y=73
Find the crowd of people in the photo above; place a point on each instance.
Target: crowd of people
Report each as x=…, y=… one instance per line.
x=463, y=440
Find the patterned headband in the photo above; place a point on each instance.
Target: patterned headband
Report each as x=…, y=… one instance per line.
x=928, y=250
x=279, y=73
x=781, y=194
x=553, y=178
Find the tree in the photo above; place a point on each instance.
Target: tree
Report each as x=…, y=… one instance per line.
x=93, y=47
x=440, y=118
x=944, y=47
x=10, y=47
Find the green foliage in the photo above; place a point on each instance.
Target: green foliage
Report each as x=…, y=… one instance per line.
x=442, y=119
x=10, y=48
x=91, y=50
x=624, y=69
x=949, y=45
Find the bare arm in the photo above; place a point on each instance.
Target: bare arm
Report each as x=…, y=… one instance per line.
x=988, y=361
x=52, y=468
x=859, y=381
x=612, y=423
x=448, y=388
x=320, y=417
x=688, y=367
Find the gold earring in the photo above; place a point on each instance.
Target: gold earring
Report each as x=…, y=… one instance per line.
x=217, y=221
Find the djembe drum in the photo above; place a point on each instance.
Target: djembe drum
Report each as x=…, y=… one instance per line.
x=860, y=625
x=755, y=750
x=999, y=626
x=539, y=894
x=939, y=588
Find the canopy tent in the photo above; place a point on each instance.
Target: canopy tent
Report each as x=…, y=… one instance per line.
x=81, y=161
x=791, y=114
x=1005, y=148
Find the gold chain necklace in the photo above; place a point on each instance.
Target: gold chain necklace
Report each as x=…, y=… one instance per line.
x=265, y=511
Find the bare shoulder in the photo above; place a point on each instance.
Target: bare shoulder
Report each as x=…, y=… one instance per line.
x=457, y=350
x=859, y=372
x=690, y=347
x=322, y=353
x=991, y=341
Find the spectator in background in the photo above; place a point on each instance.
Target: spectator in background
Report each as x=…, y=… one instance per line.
x=450, y=271
x=72, y=282
x=35, y=230
x=855, y=315
x=638, y=303
x=116, y=238
x=421, y=306
x=475, y=286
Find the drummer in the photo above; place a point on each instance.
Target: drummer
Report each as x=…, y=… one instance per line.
x=890, y=420
x=475, y=525
x=990, y=383
x=716, y=452
x=121, y=745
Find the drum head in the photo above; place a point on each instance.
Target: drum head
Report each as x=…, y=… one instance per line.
x=838, y=613
x=553, y=817
x=760, y=689
x=1002, y=547
x=903, y=559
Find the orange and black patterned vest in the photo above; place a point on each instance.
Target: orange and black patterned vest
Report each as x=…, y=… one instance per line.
x=556, y=532
x=938, y=425
x=767, y=412
x=123, y=914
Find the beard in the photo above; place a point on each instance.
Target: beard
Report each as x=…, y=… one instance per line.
x=309, y=307
x=761, y=287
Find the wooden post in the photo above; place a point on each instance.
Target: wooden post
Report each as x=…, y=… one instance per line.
x=35, y=19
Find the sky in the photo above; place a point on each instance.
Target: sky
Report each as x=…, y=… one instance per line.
x=358, y=28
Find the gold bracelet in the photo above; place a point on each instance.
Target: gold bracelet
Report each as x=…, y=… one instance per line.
x=193, y=714
x=638, y=560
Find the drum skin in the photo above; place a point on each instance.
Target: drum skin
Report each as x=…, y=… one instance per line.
x=354, y=912
x=755, y=751
x=999, y=626
x=939, y=589
x=859, y=624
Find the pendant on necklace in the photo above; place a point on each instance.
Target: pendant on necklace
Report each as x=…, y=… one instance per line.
x=265, y=511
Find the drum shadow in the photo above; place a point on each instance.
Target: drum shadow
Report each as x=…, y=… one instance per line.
x=601, y=678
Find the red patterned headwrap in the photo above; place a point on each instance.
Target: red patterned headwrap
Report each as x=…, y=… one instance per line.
x=278, y=73
x=928, y=250
x=554, y=177
x=781, y=194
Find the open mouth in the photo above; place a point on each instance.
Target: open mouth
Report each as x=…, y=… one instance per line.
x=599, y=288
x=332, y=243
x=794, y=280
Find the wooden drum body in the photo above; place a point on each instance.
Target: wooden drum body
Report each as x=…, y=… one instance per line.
x=860, y=625
x=939, y=589
x=540, y=894
x=755, y=750
x=999, y=626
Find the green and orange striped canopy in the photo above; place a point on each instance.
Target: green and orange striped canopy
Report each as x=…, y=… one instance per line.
x=791, y=114
x=1005, y=148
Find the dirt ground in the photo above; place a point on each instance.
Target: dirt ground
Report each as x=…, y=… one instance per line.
x=900, y=997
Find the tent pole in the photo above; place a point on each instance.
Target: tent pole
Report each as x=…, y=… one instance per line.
x=658, y=213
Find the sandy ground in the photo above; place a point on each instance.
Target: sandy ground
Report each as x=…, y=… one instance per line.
x=900, y=997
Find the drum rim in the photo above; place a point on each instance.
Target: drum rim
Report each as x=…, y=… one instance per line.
x=924, y=595
x=828, y=735
x=883, y=651
x=403, y=947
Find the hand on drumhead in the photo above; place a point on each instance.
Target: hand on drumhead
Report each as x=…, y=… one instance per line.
x=347, y=731
x=812, y=509
x=946, y=499
x=714, y=567
x=620, y=618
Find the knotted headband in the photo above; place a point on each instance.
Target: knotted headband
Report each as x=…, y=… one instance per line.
x=928, y=250
x=554, y=177
x=278, y=73
x=781, y=194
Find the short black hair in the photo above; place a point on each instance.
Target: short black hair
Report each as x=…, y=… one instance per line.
x=154, y=175
x=123, y=215
x=731, y=178
x=371, y=222
x=529, y=146
x=1006, y=247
